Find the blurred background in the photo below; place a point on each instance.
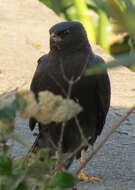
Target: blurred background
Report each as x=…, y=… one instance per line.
x=109, y=23
x=24, y=33
x=24, y=37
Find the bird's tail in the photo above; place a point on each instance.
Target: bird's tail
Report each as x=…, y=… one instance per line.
x=35, y=147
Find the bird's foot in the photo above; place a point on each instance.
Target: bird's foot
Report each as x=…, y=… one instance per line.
x=83, y=177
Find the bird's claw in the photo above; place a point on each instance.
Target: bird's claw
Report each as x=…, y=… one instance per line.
x=82, y=177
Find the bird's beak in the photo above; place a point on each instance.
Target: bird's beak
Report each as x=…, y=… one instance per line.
x=55, y=38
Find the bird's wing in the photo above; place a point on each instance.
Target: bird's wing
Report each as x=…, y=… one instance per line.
x=103, y=95
x=35, y=84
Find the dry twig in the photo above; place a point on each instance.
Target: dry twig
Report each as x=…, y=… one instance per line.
x=115, y=126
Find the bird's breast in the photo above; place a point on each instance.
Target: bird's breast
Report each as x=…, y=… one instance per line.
x=60, y=70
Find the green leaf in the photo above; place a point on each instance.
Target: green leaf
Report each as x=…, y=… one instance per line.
x=2, y=182
x=5, y=165
x=18, y=103
x=37, y=170
x=125, y=60
x=85, y=18
x=53, y=4
x=22, y=186
x=43, y=153
x=14, y=181
x=7, y=113
x=102, y=30
x=17, y=164
x=66, y=3
x=56, y=188
x=63, y=180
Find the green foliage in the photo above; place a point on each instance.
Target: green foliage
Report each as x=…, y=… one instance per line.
x=123, y=11
x=54, y=4
x=125, y=60
x=82, y=16
x=13, y=181
x=5, y=165
x=82, y=11
x=62, y=180
x=96, y=16
x=60, y=7
x=36, y=172
x=102, y=32
x=14, y=175
x=8, y=112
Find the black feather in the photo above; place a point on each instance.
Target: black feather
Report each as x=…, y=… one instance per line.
x=73, y=53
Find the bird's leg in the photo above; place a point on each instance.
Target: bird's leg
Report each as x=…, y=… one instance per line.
x=83, y=158
x=57, y=165
x=81, y=175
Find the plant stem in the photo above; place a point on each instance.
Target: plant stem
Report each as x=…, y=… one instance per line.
x=102, y=33
x=115, y=126
x=84, y=18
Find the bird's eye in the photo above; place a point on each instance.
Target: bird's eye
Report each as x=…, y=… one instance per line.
x=66, y=31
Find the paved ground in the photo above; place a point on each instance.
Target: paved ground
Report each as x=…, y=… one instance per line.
x=114, y=163
x=24, y=37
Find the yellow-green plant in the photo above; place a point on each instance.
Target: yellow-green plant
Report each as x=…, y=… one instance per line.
x=37, y=172
x=74, y=10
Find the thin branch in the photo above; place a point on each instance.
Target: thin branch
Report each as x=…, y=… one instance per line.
x=75, y=152
x=115, y=126
x=61, y=137
x=71, y=82
x=64, y=124
x=84, y=139
x=34, y=147
x=80, y=75
x=63, y=73
x=52, y=143
x=58, y=84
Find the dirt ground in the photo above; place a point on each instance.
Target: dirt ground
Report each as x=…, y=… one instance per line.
x=24, y=38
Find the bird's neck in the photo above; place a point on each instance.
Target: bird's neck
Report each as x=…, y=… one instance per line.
x=71, y=63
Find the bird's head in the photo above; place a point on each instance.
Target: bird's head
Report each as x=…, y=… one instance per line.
x=67, y=36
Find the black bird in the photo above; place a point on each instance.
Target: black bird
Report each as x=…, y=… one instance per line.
x=69, y=56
